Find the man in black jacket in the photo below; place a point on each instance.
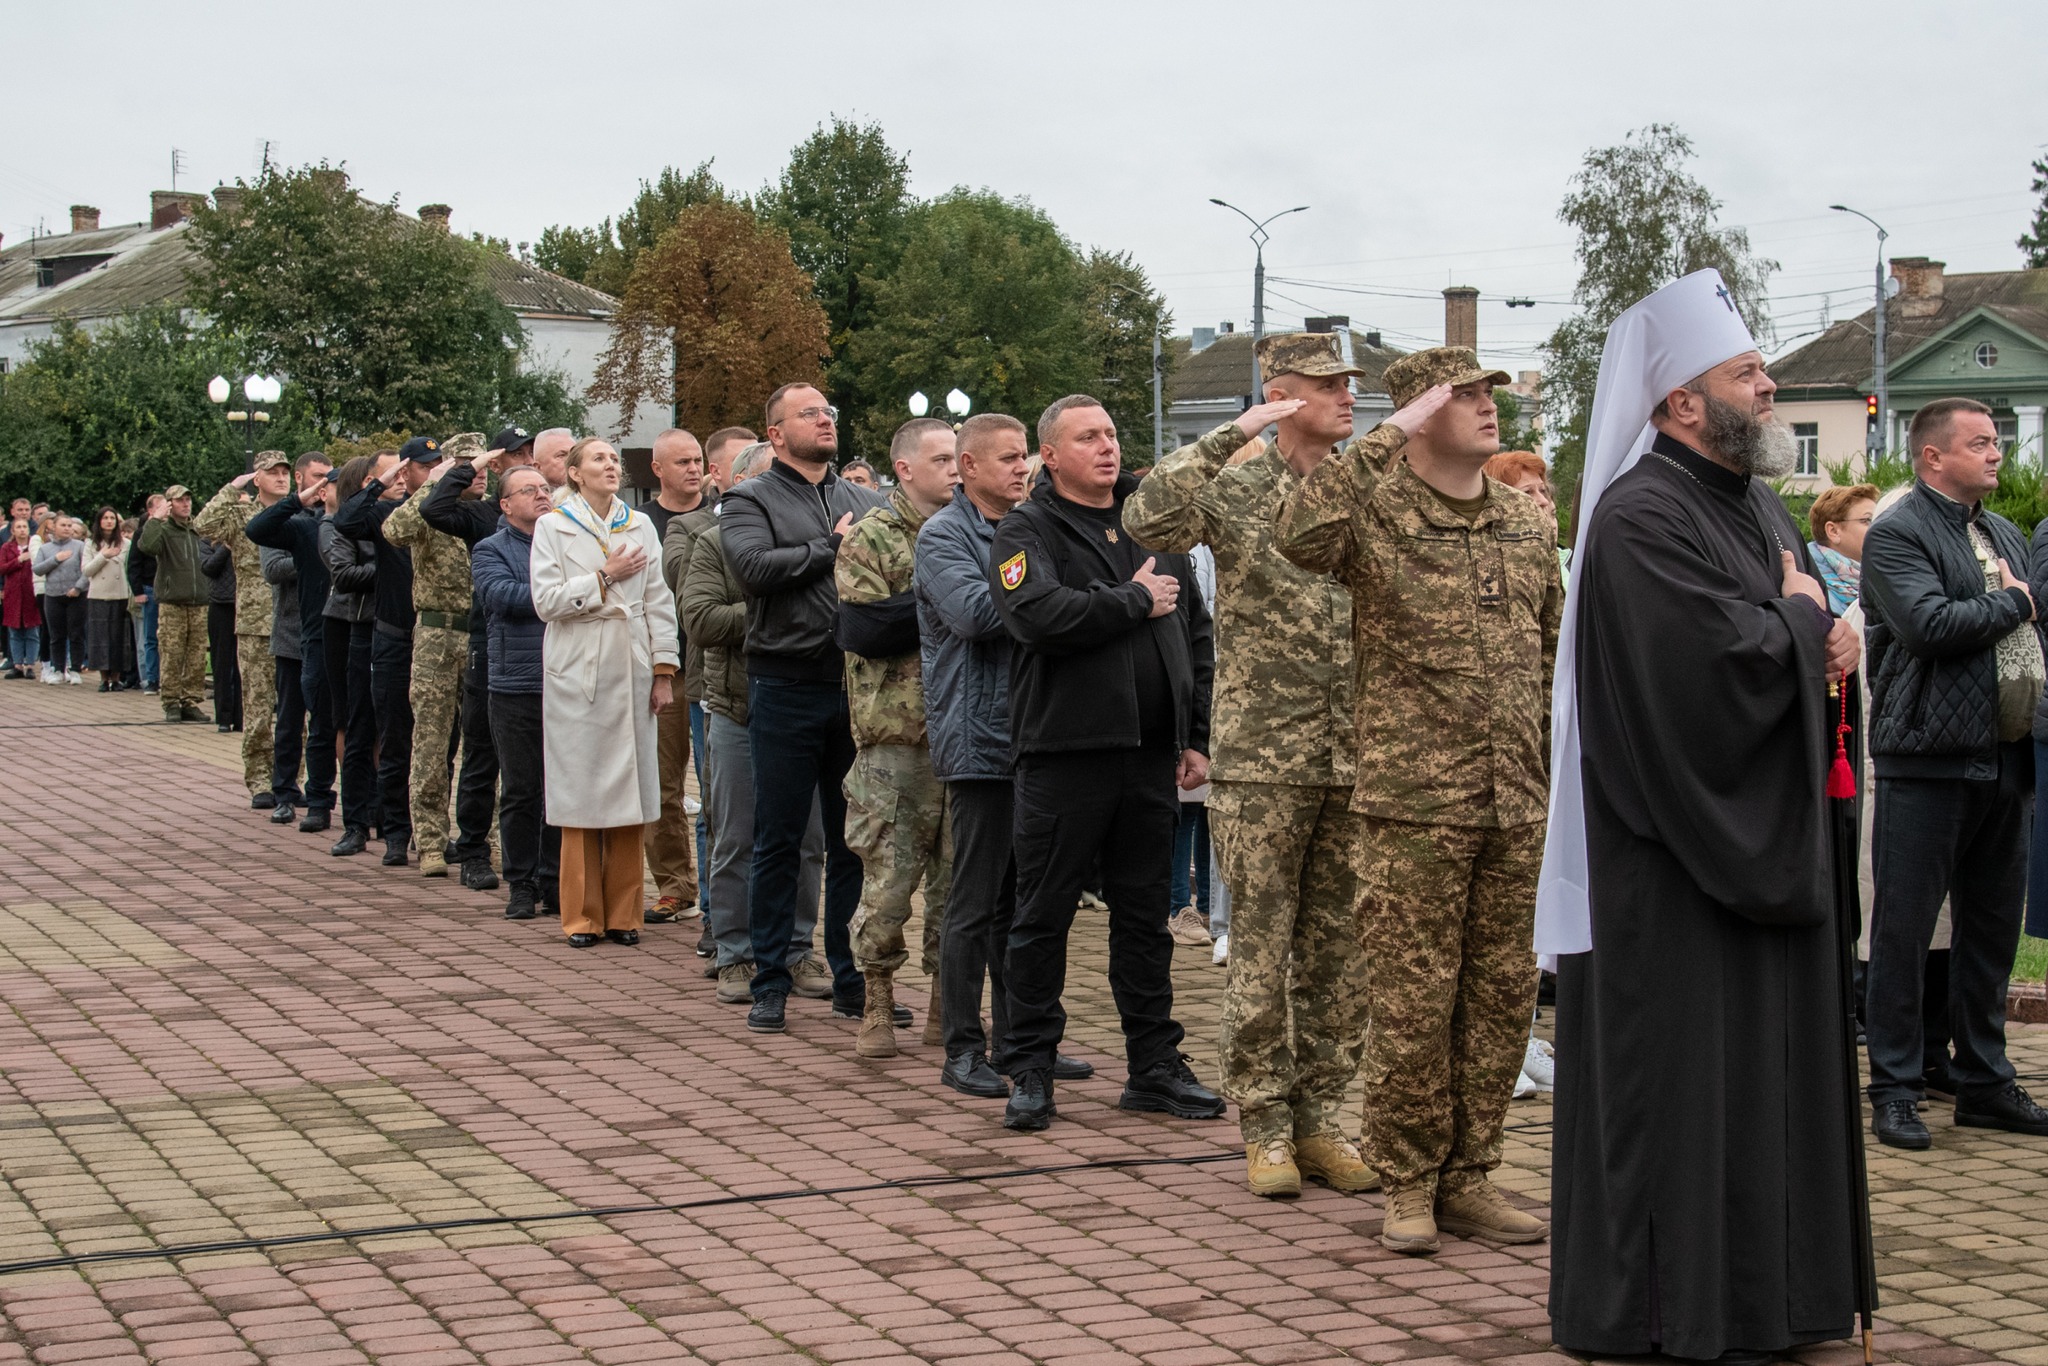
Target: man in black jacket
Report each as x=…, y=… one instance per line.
x=781, y=533
x=1109, y=713
x=1956, y=667
x=293, y=525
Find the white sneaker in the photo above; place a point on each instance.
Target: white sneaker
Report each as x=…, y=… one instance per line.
x=50, y=675
x=691, y=806
x=1539, y=1065
x=73, y=677
x=1222, y=954
x=1524, y=1088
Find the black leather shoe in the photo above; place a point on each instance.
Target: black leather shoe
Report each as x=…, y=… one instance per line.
x=354, y=839
x=1897, y=1125
x=1065, y=1068
x=316, y=820
x=283, y=814
x=584, y=941
x=1939, y=1084
x=263, y=801
x=1170, y=1088
x=766, y=1015
x=520, y=905
x=627, y=937
x=1031, y=1108
x=394, y=854
x=970, y=1075
x=478, y=876
x=2010, y=1109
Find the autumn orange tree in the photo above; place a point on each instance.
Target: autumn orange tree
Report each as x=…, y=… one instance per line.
x=715, y=315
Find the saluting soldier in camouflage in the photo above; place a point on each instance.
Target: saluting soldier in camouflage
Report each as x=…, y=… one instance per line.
x=1294, y=1005
x=222, y=520
x=440, y=651
x=1456, y=600
x=895, y=807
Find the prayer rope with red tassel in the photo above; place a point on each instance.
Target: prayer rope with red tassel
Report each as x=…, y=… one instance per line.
x=1841, y=778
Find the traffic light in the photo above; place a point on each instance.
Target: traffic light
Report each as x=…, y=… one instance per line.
x=1870, y=409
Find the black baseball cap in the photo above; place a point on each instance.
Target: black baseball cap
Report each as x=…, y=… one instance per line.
x=512, y=438
x=423, y=450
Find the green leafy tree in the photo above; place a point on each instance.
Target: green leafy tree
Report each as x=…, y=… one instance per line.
x=714, y=317
x=844, y=200
x=1642, y=222
x=1123, y=314
x=602, y=257
x=376, y=319
x=113, y=414
x=988, y=298
x=1515, y=435
x=2033, y=244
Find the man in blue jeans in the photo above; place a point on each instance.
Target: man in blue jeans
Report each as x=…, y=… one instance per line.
x=781, y=533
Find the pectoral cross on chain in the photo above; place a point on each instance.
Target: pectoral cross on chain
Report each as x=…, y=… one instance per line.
x=1726, y=297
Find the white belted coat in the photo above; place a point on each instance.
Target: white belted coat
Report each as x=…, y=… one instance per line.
x=600, y=651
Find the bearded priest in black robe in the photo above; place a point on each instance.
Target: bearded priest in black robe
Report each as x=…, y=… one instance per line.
x=1702, y=1180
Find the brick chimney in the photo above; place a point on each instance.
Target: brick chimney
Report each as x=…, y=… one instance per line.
x=228, y=199
x=172, y=206
x=1461, y=317
x=1920, y=285
x=84, y=218
x=436, y=216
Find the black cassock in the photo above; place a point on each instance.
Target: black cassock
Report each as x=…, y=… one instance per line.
x=1701, y=1179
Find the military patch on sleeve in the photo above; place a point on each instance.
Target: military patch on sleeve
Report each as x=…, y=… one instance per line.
x=1013, y=570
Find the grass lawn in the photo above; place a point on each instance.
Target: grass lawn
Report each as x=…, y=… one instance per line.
x=2031, y=963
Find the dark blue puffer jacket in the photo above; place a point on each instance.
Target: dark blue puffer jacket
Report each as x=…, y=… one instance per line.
x=500, y=575
x=965, y=646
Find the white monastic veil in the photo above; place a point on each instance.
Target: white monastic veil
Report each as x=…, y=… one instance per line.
x=1683, y=330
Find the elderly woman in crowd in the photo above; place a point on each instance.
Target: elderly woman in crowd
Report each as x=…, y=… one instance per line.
x=610, y=652
x=1840, y=518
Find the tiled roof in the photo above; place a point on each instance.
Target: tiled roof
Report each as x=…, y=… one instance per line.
x=1223, y=369
x=1840, y=357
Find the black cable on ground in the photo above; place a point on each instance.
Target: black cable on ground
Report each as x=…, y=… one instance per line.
x=494, y=1220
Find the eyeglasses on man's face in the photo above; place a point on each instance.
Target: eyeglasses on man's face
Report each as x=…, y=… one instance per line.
x=812, y=414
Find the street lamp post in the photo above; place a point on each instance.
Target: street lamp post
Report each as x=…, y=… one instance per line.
x=1259, y=237
x=957, y=403
x=257, y=389
x=1876, y=442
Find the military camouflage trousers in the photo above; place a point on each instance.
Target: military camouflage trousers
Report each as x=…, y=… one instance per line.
x=1294, y=1006
x=1451, y=976
x=259, y=710
x=439, y=656
x=181, y=642
x=896, y=821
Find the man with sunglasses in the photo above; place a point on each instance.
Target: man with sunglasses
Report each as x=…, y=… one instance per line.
x=781, y=533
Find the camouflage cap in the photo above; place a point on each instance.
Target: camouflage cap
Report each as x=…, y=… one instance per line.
x=1408, y=378
x=270, y=460
x=463, y=446
x=1302, y=353
x=177, y=491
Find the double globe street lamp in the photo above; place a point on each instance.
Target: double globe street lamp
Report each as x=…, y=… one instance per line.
x=257, y=389
x=957, y=403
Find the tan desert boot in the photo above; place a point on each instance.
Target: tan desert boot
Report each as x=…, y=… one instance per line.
x=877, y=1037
x=1269, y=1169
x=1409, y=1226
x=1334, y=1161
x=934, y=1025
x=1477, y=1209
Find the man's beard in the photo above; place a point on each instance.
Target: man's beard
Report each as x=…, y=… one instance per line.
x=808, y=449
x=1752, y=445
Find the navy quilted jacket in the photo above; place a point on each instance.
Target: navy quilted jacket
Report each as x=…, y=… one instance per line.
x=501, y=581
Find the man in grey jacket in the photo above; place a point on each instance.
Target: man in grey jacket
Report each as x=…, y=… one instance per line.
x=966, y=653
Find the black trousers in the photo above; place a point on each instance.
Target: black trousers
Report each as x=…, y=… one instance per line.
x=64, y=619
x=391, y=695
x=979, y=911
x=802, y=743
x=532, y=847
x=321, y=760
x=1966, y=840
x=227, y=664
x=355, y=716
x=1071, y=808
x=288, y=737
x=476, y=790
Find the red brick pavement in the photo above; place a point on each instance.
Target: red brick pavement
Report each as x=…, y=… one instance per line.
x=219, y=1030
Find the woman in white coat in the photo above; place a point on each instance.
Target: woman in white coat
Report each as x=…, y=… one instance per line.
x=609, y=651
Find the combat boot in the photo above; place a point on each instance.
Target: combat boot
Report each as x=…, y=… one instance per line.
x=433, y=863
x=877, y=1037
x=1269, y=1169
x=1333, y=1160
x=934, y=1025
x=1410, y=1225
x=1475, y=1208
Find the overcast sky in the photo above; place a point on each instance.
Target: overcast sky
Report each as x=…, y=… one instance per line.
x=1432, y=143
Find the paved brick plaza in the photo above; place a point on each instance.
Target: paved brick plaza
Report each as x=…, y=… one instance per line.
x=210, y=1029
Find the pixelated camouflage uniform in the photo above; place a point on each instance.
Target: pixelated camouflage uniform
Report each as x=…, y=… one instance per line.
x=222, y=520
x=1294, y=1004
x=440, y=651
x=895, y=809
x=1454, y=631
